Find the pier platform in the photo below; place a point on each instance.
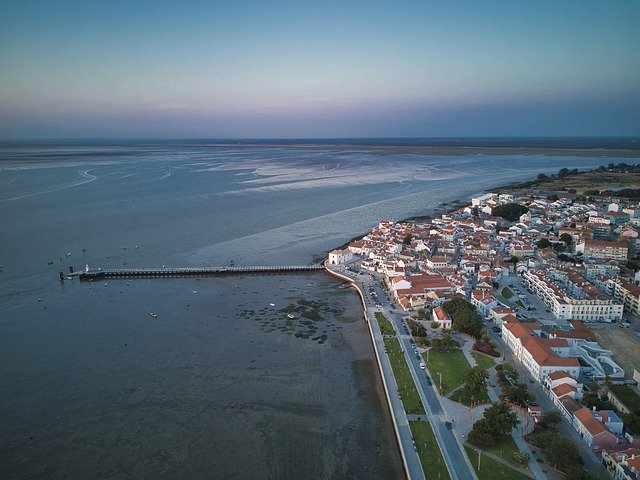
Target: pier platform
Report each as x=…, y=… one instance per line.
x=99, y=273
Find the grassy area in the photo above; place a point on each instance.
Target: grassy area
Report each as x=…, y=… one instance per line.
x=483, y=361
x=428, y=450
x=453, y=366
x=491, y=469
x=504, y=449
x=520, y=304
x=627, y=396
x=507, y=293
x=385, y=325
x=464, y=397
x=404, y=380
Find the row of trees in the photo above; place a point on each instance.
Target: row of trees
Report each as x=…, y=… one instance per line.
x=560, y=451
x=512, y=390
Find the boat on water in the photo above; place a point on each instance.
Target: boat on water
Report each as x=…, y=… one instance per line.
x=153, y=315
x=272, y=304
x=68, y=254
x=291, y=316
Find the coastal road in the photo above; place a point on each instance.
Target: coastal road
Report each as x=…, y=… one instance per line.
x=408, y=451
x=453, y=454
x=457, y=462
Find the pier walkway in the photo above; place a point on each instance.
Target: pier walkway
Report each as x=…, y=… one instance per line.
x=99, y=273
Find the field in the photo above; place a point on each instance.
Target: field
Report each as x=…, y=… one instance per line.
x=385, y=325
x=627, y=396
x=483, y=361
x=428, y=450
x=625, y=348
x=489, y=469
x=452, y=365
x=595, y=181
x=504, y=449
x=404, y=380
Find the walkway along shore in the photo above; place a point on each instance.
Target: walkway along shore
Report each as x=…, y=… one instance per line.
x=410, y=459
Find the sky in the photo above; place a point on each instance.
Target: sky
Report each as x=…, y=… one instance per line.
x=296, y=69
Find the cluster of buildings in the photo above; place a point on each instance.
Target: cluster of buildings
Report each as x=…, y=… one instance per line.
x=572, y=255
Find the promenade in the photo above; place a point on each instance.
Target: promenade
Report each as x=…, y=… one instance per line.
x=456, y=461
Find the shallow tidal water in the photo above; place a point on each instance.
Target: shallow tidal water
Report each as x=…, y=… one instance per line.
x=220, y=384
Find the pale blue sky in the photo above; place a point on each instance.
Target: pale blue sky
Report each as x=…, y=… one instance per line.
x=331, y=69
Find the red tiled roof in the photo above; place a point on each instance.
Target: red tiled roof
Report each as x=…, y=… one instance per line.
x=586, y=418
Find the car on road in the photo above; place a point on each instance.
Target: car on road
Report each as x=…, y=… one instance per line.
x=495, y=328
x=448, y=425
x=422, y=365
x=429, y=382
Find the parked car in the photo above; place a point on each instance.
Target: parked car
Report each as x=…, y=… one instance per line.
x=448, y=425
x=422, y=365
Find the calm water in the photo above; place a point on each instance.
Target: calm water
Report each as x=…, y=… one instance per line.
x=220, y=384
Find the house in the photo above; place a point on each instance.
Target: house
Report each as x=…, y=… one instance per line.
x=593, y=430
x=440, y=315
x=622, y=464
x=338, y=257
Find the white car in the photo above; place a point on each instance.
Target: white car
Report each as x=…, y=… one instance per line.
x=422, y=365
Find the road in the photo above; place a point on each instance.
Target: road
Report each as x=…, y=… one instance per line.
x=452, y=452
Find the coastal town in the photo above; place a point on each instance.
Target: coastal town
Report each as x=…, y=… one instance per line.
x=552, y=283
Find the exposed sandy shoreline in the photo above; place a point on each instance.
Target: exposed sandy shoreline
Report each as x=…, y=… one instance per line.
x=449, y=150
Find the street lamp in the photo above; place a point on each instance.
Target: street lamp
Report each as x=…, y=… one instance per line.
x=440, y=375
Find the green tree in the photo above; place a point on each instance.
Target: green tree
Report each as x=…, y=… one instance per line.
x=407, y=239
x=444, y=344
x=476, y=379
x=510, y=211
x=562, y=453
x=566, y=238
x=550, y=420
x=495, y=425
x=631, y=422
x=543, y=243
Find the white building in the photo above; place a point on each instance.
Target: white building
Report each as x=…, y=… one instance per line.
x=338, y=257
x=598, y=308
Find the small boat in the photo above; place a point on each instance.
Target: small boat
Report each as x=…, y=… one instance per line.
x=195, y=291
x=105, y=284
x=272, y=304
x=84, y=250
x=68, y=254
x=48, y=263
x=136, y=247
x=153, y=315
x=69, y=277
x=291, y=316
x=39, y=299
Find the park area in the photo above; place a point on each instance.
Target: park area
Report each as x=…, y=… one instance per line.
x=428, y=450
x=404, y=380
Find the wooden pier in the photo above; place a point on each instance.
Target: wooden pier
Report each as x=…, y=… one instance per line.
x=99, y=273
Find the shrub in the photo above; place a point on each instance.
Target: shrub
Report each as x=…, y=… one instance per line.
x=521, y=457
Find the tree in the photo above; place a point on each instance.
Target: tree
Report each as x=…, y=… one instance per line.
x=542, y=177
x=553, y=197
x=578, y=472
x=550, y=420
x=476, y=379
x=521, y=457
x=444, y=344
x=564, y=172
x=495, y=425
x=517, y=394
x=566, y=238
x=510, y=211
x=543, y=243
x=562, y=453
x=407, y=239
x=631, y=422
